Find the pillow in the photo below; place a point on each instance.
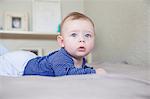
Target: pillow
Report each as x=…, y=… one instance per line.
x=13, y=63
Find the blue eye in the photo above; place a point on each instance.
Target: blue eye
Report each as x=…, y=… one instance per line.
x=88, y=35
x=74, y=34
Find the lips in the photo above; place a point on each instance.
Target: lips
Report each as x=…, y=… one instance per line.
x=81, y=49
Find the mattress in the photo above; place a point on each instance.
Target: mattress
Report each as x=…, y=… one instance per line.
x=91, y=86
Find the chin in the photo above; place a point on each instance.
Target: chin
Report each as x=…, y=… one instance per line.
x=81, y=55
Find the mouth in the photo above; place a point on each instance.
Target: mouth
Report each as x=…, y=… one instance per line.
x=81, y=49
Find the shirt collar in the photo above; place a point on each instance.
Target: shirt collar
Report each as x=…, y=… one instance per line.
x=67, y=54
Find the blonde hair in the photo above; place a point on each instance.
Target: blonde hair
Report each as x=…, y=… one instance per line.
x=75, y=16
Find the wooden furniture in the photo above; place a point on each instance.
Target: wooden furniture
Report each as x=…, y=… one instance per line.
x=27, y=35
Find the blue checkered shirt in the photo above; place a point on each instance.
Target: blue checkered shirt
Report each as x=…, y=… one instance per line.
x=58, y=63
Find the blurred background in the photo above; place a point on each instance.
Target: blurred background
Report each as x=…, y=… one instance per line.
x=122, y=27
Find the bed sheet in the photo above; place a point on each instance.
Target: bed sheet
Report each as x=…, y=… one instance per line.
x=134, y=71
x=74, y=87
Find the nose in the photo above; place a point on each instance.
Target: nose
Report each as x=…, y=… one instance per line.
x=81, y=39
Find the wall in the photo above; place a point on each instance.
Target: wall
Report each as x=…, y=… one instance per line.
x=15, y=6
x=25, y=6
x=147, y=3
x=121, y=30
x=72, y=5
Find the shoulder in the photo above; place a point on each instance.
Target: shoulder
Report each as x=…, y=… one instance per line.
x=61, y=57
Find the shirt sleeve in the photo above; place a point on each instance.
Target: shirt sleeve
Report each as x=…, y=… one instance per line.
x=68, y=69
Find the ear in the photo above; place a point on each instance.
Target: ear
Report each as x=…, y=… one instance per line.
x=60, y=40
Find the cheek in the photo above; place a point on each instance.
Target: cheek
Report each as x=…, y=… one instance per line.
x=91, y=44
x=68, y=43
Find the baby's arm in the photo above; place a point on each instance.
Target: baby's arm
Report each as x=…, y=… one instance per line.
x=68, y=69
x=76, y=71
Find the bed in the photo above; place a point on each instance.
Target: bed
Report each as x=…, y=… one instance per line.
x=121, y=82
x=141, y=72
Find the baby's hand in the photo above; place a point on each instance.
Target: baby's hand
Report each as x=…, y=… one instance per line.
x=100, y=71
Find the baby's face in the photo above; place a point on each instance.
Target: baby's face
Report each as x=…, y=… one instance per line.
x=78, y=37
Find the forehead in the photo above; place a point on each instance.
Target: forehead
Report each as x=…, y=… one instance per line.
x=78, y=19
x=77, y=24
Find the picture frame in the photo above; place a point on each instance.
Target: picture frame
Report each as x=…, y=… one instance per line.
x=16, y=21
x=46, y=16
x=37, y=51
